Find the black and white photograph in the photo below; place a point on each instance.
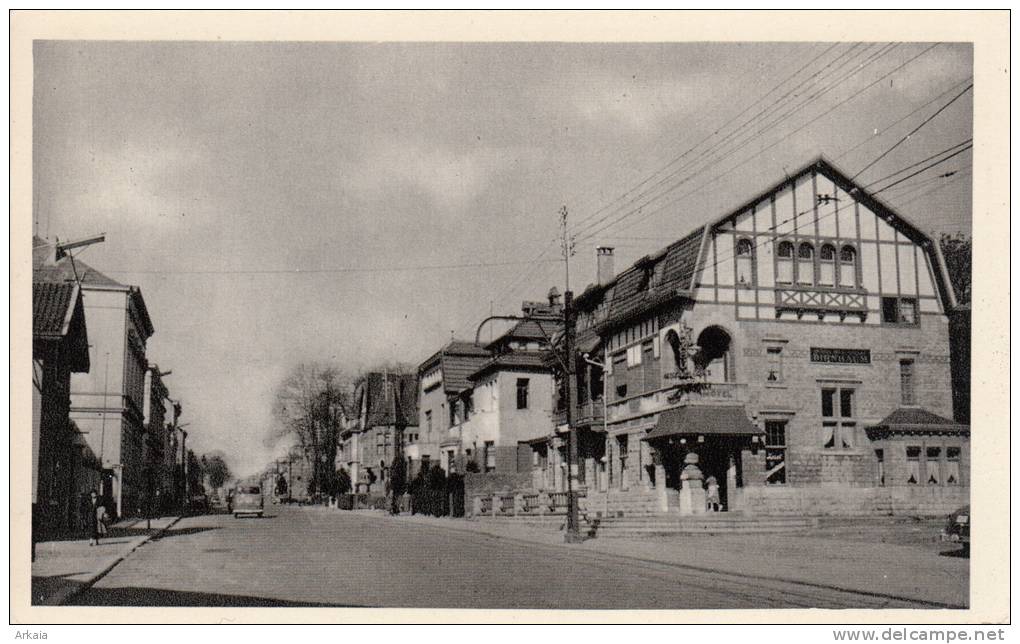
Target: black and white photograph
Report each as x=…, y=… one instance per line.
x=533, y=324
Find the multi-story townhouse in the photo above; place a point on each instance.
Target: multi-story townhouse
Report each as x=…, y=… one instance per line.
x=107, y=402
x=387, y=415
x=796, y=350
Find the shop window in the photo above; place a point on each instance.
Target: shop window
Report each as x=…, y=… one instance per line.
x=775, y=452
x=913, y=464
x=880, y=458
x=522, y=393
x=805, y=264
x=784, y=263
x=745, y=262
x=827, y=265
x=848, y=266
x=899, y=310
x=932, y=457
x=774, y=364
x=907, y=396
x=838, y=421
x=490, y=456
x=952, y=466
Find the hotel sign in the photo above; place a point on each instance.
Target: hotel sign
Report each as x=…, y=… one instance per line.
x=840, y=356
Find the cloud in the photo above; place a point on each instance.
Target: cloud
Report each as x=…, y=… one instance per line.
x=449, y=179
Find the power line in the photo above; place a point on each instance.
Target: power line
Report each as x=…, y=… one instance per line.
x=720, y=175
x=725, y=142
x=740, y=145
x=927, y=167
x=704, y=139
x=914, y=131
x=299, y=271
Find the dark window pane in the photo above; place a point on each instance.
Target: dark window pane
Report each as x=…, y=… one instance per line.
x=828, y=402
x=890, y=310
x=846, y=403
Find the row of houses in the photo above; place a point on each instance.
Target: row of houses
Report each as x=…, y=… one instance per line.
x=797, y=350
x=102, y=415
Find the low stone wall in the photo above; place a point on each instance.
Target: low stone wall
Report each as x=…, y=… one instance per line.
x=849, y=501
x=478, y=483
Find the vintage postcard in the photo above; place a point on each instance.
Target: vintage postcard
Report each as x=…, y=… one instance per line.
x=387, y=316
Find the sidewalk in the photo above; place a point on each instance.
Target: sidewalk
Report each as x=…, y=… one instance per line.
x=822, y=560
x=64, y=568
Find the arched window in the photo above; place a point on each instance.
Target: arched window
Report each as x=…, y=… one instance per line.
x=805, y=263
x=827, y=265
x=848, y=266
x=715, y=355
x=784, y=263
x=745, y=262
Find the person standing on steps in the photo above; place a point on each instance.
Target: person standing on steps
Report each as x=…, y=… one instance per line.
x=712, y=497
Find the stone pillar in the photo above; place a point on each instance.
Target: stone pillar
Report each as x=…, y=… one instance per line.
x=476, y=506
x=692, y=494
x=660, y=488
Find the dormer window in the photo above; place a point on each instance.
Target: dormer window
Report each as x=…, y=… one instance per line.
x=827, y=265
x=806, y=264
x=745, y=262
x=784, y=263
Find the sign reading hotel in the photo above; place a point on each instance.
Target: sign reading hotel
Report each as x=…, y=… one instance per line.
x=840, y=356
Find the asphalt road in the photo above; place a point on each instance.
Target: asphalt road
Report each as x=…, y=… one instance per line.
x=315, y=557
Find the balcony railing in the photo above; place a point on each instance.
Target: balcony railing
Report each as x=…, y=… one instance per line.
x=585, y=413
x=819, y=300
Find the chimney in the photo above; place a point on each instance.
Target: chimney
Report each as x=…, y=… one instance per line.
x=604, y=264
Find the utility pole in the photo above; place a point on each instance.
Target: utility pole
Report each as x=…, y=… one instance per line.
x=573, y=533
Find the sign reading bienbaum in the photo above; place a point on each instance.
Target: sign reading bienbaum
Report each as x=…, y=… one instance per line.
x=840, y=356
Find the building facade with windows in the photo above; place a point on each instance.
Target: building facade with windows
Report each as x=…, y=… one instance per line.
x=387, y=415
x=107, y=402
x=796, y=351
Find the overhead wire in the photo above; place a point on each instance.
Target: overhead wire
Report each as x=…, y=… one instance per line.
x=784, y=138
x=743, y=143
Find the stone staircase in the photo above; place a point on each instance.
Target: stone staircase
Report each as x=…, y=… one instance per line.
x=706, y=524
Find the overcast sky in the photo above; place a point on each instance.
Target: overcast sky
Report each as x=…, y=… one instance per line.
x=219, y=169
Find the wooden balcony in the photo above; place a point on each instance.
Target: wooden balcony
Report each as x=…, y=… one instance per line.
x=822, y=300
x=590, y=412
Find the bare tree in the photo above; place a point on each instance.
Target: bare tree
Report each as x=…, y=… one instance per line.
x=311, y=406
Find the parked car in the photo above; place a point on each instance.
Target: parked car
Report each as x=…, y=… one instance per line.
x=248, y=500
x=957, y=527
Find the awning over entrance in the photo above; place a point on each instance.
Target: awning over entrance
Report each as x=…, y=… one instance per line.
x=703, y=420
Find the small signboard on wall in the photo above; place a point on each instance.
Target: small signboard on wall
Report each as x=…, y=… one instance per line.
x=840, y=356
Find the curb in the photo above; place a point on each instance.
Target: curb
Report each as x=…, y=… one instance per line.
x=682, y=566
x=65, y=595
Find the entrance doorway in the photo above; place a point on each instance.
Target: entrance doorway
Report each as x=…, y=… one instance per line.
x=718, y=456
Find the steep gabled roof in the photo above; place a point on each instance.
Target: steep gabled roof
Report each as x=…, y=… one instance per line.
x=538, y=328
x=458, y=360
x=58, y=316
x=388, y=399
x=63, y=270
x=532, y=361
x=671, y=272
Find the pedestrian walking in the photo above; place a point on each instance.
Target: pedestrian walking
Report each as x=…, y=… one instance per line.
x=712, y=498
x=96, y=518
